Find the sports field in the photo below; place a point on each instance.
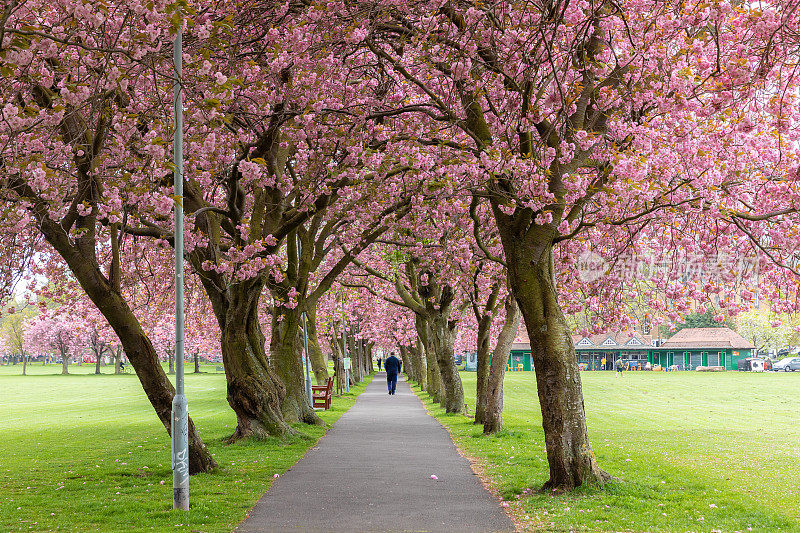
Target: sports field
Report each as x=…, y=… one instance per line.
x=692, y=451
x=87, y=453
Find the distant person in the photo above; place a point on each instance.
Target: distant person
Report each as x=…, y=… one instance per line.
x=392, y=365
x=603, y=364
x=620, y=367
x=379, y=363
x=122, y=367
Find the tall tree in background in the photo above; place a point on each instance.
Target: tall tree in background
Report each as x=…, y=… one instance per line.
x=578, y=126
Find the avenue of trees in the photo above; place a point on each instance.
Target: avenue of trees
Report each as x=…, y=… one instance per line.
x=422, y=176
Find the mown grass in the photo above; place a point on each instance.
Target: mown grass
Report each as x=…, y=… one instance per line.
x=690, y=451
x=87, y=453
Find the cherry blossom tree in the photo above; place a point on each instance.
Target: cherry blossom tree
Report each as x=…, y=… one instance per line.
x=72, y=73
x=578, y=125
x=562, y=128
x=14, y=331
x=58, y=333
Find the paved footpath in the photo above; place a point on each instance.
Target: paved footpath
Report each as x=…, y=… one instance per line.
x=372, y=472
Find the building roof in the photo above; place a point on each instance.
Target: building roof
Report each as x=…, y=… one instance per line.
x=707, y=338
x=613, y=340
x=521, y=341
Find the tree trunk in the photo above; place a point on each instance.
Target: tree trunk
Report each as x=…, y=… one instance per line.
x=529, y=258
x=408, y=365
x=433, y=377
x=117, y=360
x=338, y=363
x=24, y=365
x=444, y=337
x=315, y=355
x=483, y=356
x=254, y=391
x=171, y=360
x=197, y=361
x=366, y=359
x=286, y=359
x=98, y=359
x=65, y=364
x=359, y=358
x=420, y=366
x=493, y=415
x=355, y=366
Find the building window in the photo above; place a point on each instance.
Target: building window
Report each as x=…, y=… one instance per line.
x=609, y=342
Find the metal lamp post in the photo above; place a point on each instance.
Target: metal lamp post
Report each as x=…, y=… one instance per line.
x=180, y=407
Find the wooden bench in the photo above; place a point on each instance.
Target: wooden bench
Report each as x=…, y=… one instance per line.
x=322, y=394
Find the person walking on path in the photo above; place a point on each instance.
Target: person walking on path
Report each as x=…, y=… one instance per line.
x=620, y=366
x=379, y=363
x=392, y=366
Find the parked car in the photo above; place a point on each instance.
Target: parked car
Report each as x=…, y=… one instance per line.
x=787, y=363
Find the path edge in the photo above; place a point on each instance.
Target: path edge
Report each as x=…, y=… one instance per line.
x=477, y=465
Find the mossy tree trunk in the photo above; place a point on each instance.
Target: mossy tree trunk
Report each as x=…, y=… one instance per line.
x=255, y=392
x=433, y=375
x=317, y=358
x=444, y=337
x=483, y=315
x=420, y=366
x=408, y=364
x=529, y=257
x=355, y=367
x=285, y=353
x=338, y=363
x=493, y=411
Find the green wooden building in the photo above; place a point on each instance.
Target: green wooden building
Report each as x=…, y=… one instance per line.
x=686, y=350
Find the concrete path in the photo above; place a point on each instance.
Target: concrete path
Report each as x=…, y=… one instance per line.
x=372, y=472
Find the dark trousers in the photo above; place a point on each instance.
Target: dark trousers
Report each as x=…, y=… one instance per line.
x=391, y=381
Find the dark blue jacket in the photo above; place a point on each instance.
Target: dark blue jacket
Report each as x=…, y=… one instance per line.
x=392, y=365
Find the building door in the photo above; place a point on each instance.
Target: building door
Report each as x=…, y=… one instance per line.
x=695, y=359
x=516, y=361
x=677, y=359
x=713, y=359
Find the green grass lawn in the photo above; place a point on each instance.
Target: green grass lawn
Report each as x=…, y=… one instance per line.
x=691, y=451
x=87, y=453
